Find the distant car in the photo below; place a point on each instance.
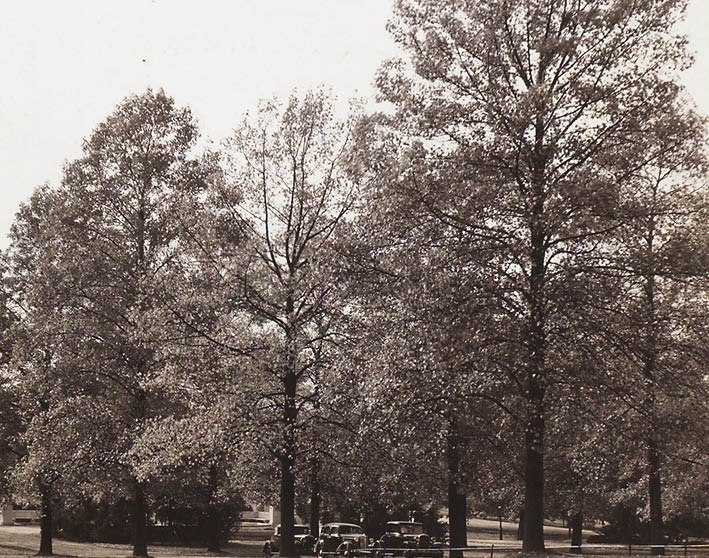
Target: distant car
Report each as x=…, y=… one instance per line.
x=409, y=535
x=304, y=541
x=341, y=539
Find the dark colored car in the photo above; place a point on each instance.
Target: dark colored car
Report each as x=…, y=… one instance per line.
x=304, y=541
x=340, y=539
x=409, y=535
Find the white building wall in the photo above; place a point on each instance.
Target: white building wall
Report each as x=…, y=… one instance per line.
x=7, y=516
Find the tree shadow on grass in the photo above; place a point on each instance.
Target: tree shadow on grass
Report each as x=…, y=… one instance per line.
x=24, y=549
x=29, y=551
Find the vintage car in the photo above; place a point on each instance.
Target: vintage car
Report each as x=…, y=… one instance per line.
x=340, y=538
x=401, y=536
x=304, y=541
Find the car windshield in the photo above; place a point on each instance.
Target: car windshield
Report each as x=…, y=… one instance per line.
x=350, y=530
x=302, y=530
x=406, y=528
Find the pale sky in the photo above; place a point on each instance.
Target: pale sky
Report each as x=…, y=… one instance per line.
x=64, y=65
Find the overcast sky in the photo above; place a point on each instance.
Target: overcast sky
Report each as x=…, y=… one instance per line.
x=65, y=64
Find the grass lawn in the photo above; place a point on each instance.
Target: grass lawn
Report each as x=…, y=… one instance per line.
x=24, y=541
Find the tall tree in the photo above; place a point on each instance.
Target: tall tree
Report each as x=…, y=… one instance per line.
x=522, y=106
x=9, y=424
x=421, y=354
x=429, y=301
x=285, y=192
x=120, y=238
x=662, y=260
x=48, y=422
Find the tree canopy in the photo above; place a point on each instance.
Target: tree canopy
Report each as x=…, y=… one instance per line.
x=486, y=294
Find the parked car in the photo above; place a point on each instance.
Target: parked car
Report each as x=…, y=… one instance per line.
x=304, y=541
x=342, y=538
x=409, y=535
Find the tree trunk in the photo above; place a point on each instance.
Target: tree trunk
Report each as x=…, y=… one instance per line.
x=533, y=521
x=140, y=539
x=657, y=538
x=457, y=505
x=576, y=524
x=213, y=516
x=520, y=525
x=45, y=537
x=533, y=530
x=287, y=460
x=457, y=512
x=627, y=522
x=290, y=414
x=287, y=508
x=213, y=529
x=653, y=454
x=536, y=341
x=315, y=498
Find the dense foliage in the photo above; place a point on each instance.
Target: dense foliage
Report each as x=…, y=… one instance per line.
x=490, y=296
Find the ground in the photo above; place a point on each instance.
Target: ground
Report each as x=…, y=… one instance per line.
x=24, y=541
x=483, y=535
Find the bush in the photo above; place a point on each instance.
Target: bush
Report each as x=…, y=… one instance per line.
x=111, y=523
x=91, y=522
x=624, y=526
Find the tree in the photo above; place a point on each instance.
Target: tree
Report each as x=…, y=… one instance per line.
x=663, y=264
x=422, y=359
x=9, y=423
x=187, y=460
x=48, y=427
x=429, y=302
x=285, y=192
x=119, y=240
x=521, y=107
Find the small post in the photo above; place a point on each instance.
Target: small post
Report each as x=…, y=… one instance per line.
x=685, y=547
x=492, y=550
x=630, y=548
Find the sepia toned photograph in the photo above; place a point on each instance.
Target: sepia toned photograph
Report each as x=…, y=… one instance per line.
x=354, y=278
